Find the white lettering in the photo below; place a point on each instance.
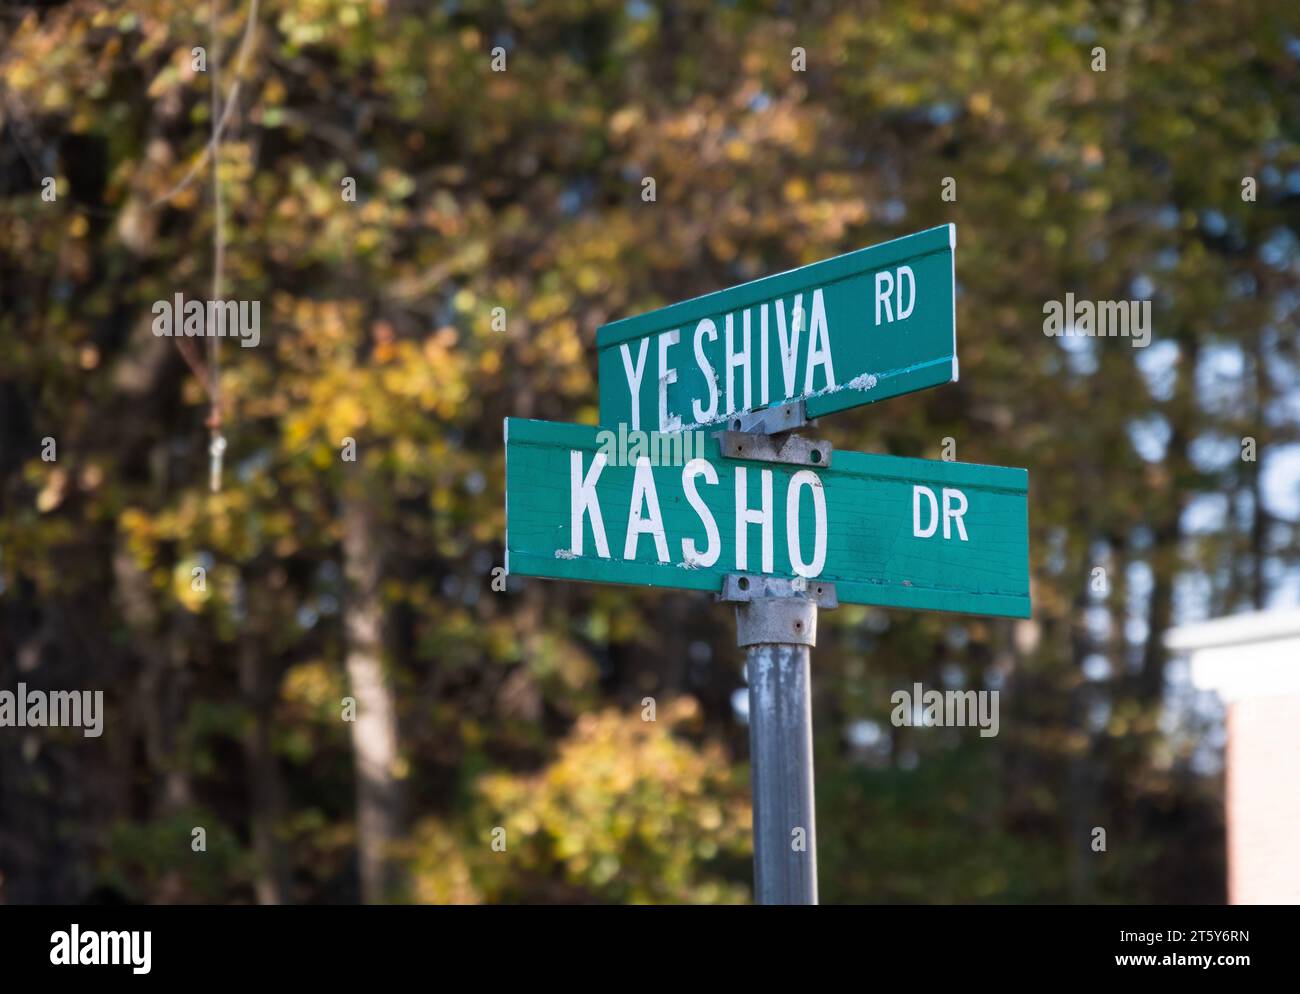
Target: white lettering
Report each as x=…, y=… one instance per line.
x=745, y=516
x=643, y=492
x=735, y=359
x=953, y=514
x=634, y=378
x=667, y=375
x=582, y=500
x=917, y=493
x=806, y=477
x=884, y=287
x=819, y=345
x=703, y=415
x=694, y=468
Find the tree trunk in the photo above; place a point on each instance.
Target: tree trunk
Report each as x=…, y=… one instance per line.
x=374, y=730
x=1259, y=514
x=266, y=788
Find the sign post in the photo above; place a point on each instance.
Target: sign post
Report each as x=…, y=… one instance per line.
x=776, y=523
x=776, y=625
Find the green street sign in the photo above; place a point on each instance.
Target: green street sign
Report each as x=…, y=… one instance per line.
x=840, y=333
x=583, y=504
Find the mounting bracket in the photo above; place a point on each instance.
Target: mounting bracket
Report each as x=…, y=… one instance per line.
x=766, y=436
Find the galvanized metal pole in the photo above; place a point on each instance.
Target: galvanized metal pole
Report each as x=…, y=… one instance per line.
x=780, y=748
x=776, y=622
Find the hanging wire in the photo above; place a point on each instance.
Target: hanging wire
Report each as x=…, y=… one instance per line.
x=245, y=46
x=209, y=378
x=217, y=442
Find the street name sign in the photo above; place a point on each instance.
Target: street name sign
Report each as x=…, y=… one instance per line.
x=847, y=331
x=885, y=530
x=764, y=518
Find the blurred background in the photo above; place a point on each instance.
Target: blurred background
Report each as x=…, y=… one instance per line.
x=325, y=579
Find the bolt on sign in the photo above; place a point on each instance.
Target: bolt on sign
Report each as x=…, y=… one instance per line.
x=847, y=331
x=890, y=531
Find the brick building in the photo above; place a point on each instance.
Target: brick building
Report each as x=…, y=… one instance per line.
x=1253, y=662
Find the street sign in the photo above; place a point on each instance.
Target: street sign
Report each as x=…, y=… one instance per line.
x=769, y=520
x=885, y=530
x=840, y=333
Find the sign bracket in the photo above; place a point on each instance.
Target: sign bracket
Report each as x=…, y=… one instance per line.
x=767, y=436
x=772, y=420
x=742, y=587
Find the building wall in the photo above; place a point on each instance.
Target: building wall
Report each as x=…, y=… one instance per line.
x=1263, y=800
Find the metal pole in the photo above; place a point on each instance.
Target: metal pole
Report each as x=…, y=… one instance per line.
x=776, y=622
x=780, y=747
